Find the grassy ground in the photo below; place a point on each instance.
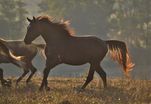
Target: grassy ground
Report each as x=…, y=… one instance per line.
x=65, y=91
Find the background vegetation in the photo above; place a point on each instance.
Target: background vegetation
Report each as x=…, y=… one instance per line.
x=126, y=20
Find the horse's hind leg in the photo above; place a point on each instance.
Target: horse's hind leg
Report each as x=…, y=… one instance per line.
x=90, y=76
x=26, y=70
x=1, y=74
x=33, y=70
x=102, y=74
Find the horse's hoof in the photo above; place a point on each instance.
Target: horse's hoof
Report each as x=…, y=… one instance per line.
x=78, y=90
x=81, y=89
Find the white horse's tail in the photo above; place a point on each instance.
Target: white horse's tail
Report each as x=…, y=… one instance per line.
x=18, y=60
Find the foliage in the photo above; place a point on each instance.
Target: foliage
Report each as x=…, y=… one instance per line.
x=12, y=18
x=87, y=16
x=130, y=21
x=127, y=20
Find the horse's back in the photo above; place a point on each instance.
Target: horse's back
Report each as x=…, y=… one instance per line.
x=19, y=48
x=80, y=50
x=91, y=43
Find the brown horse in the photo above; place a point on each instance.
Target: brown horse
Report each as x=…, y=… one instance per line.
x=28, y=52
x=63, y=47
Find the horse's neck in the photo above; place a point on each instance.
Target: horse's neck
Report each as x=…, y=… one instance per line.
x=55, y=38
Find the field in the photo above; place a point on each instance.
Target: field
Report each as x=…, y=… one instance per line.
x=66, y=91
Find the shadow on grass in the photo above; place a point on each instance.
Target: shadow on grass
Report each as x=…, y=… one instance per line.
x=65, y=102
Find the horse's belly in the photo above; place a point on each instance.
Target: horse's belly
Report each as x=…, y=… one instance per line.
x=76, y=59
x=75, y=62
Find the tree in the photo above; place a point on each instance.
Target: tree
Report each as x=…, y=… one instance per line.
x=130, y=21
x=21, y=18
x=87, y=16
x=12, y=18
x=127, y=20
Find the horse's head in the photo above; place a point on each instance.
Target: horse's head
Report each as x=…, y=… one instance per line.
x=33, y=30
x=47, y=28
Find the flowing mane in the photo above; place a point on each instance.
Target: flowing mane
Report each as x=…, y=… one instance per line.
x=62, y=25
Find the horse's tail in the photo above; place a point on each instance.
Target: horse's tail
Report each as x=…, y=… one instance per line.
x=119, y=53
x=41, y=49
x=15, y=59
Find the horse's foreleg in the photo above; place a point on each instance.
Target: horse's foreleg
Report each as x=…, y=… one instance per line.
x=89, y=77
x=46, y=73
x=102, y=74
x=33, y=70
x=44, y=81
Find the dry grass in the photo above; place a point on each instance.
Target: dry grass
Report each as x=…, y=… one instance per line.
x=65, y=91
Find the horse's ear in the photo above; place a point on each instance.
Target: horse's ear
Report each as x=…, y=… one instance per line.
x=29, y=19
x=34, y=19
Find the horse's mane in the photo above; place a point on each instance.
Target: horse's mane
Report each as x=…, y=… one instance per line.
x=63, y=25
